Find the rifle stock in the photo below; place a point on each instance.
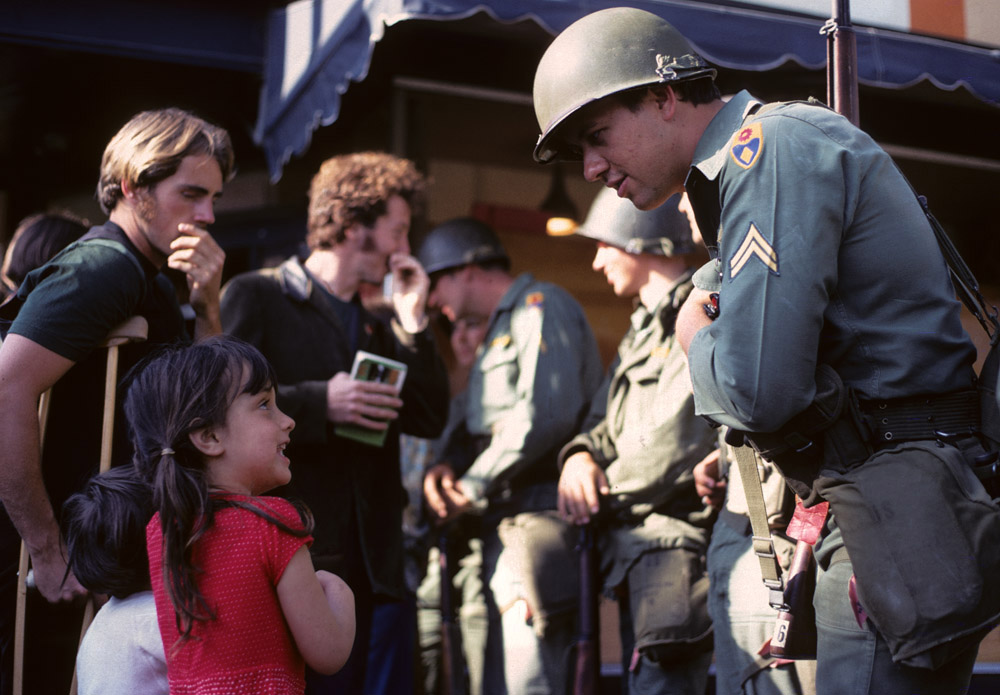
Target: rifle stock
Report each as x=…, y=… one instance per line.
x=452, y=661
x=587, y=667
x=795, y=629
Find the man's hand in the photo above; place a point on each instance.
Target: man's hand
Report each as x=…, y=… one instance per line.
x=707, y=483
x=196, y=254
x=49, y=568
x=410, y=286
x=26, y=371
x=444, y=494
x=692, y=317
x=580, y=485
x=365, y=403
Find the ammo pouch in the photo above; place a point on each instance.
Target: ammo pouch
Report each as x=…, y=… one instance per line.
x=668, y=594
x=924, y=541
x=921, y=531
x=539, y=548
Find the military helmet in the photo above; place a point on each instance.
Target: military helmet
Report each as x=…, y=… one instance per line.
x=459, y=242
x=603, y=53
x=664, y=231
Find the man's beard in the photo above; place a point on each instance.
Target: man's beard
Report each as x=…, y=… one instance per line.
x=145, y=205
x=368, y=244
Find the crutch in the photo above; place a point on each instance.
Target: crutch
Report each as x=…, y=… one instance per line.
x=132, y=330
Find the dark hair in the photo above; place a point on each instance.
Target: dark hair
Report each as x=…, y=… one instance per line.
x=701, y=90
x=354, y=189
x=105, y=529
x=171, y=395
x=36, y=240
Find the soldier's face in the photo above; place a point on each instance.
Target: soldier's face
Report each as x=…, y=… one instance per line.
x=451, y=294
x=466, y=335
x=684, y=205
x=632, y=151
x=621, y=269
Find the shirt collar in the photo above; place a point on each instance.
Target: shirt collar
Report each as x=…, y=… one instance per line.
x=710, y=154
x=510, y=297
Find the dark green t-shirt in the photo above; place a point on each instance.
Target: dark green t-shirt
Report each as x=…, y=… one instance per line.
x=69, y=306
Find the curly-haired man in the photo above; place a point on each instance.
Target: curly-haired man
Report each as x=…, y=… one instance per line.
x=307, y=318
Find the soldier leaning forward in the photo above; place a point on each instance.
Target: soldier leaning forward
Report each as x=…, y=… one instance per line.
x=529, y=388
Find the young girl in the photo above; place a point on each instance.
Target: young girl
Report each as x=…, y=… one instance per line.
x=239, y=604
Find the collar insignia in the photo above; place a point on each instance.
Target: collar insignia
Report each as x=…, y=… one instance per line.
x=660, y=351
x=747, y=144
x=754, y=245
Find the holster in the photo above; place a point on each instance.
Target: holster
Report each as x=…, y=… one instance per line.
x=923, y=538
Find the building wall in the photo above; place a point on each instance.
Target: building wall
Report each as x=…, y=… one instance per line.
x=975, y=21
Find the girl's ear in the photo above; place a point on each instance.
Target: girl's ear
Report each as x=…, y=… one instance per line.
x=207, y=442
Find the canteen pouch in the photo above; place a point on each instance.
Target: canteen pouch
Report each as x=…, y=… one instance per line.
x=924, y=540
x=539, y=550
x=668, y=594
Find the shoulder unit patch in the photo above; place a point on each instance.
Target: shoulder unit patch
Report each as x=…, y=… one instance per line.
x=754, y=245
x=747, y=144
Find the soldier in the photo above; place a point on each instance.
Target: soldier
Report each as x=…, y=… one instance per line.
x=466, y=651
x=742, y=619
x=835, y=328
x=528, y=390
x=639, y=457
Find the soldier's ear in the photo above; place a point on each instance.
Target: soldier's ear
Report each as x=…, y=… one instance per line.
x=665, y=99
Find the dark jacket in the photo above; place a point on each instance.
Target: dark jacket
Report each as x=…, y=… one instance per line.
x=354, y=490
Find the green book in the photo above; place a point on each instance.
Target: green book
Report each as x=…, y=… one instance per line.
x=371, y=367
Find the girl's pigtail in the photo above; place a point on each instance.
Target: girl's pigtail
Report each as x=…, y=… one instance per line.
x=181, y=495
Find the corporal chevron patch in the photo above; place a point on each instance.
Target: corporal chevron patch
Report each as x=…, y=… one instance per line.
x=754, y=245
x=747, y=144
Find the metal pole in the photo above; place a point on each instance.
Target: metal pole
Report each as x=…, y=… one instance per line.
x=842, y=62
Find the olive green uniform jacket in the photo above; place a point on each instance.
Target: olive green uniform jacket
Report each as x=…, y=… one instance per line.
x=648, y=442
x=531, y=384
